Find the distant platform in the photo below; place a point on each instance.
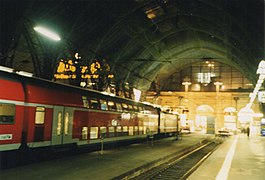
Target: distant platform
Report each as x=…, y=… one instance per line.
x=239, y=157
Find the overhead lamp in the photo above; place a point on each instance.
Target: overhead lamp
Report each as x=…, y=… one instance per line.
x=260, y=81
x=261, y=68
x=24, y=73
x=251, y=95
x=251, y=100
x=218, y=83
x=261, y=72
x=82, y=84
x=77, y=56
x=6, y=69
x=47, y=33
x=256, y=90
x=107, y=93
x=186, y=84
x=262, y=76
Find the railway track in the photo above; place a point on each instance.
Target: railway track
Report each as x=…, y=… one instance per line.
x=178, y=167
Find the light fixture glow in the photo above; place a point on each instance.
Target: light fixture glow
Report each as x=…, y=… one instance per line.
x=261, y=72
x=260, y=81
x=47, y=33
x=137, y=94
x=262, y=76
x=261, y=68
x=251, y=95
x=6, y=69
x=23, y=73
x=186, y=84
x=218, y=83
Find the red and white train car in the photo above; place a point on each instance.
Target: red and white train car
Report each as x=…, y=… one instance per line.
x=168, y=122
x=40, y=113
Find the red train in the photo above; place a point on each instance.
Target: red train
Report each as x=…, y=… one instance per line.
x=40, y=113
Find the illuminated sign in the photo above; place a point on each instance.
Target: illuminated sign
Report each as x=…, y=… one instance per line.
x=67, y=70
x=66, y=67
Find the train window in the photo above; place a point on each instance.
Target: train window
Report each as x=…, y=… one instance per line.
x=59, y=123
x=135, y=129
x=84, y=132
x=111, y=131
x=103, y=132
x=93, y=132
x=140, y=130
x=130, y=130
x=66, y=123
x=103, y=105
x=111, y=106
x=130, y=107
x=85, y=101
x=125, y=130
x=119, y=107
x=7, y=113
x=135, y=108
x=144, y=130
x=124, y=106
x=94, y=103
x=118, y=131
x=39, y=115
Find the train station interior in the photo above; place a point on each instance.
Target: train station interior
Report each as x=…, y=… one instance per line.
x=197, y=58
x=203, y=60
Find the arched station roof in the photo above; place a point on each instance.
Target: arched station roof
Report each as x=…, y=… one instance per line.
x=139, y=39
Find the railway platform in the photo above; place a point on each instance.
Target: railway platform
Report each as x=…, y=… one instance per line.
x=108, y=164
x=239, y=157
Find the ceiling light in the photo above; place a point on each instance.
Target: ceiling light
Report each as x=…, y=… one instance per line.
x=6, y=69
x=47, y=33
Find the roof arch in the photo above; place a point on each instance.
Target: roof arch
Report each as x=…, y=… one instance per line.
x=138, y=38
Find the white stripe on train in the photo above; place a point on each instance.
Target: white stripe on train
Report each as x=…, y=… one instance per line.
x=6, y=147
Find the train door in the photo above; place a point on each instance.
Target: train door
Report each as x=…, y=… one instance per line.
x=62, y=125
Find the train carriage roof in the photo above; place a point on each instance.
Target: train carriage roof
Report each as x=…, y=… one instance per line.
x=38, y=86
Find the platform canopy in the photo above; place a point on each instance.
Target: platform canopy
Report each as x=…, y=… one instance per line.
x=139, y=39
